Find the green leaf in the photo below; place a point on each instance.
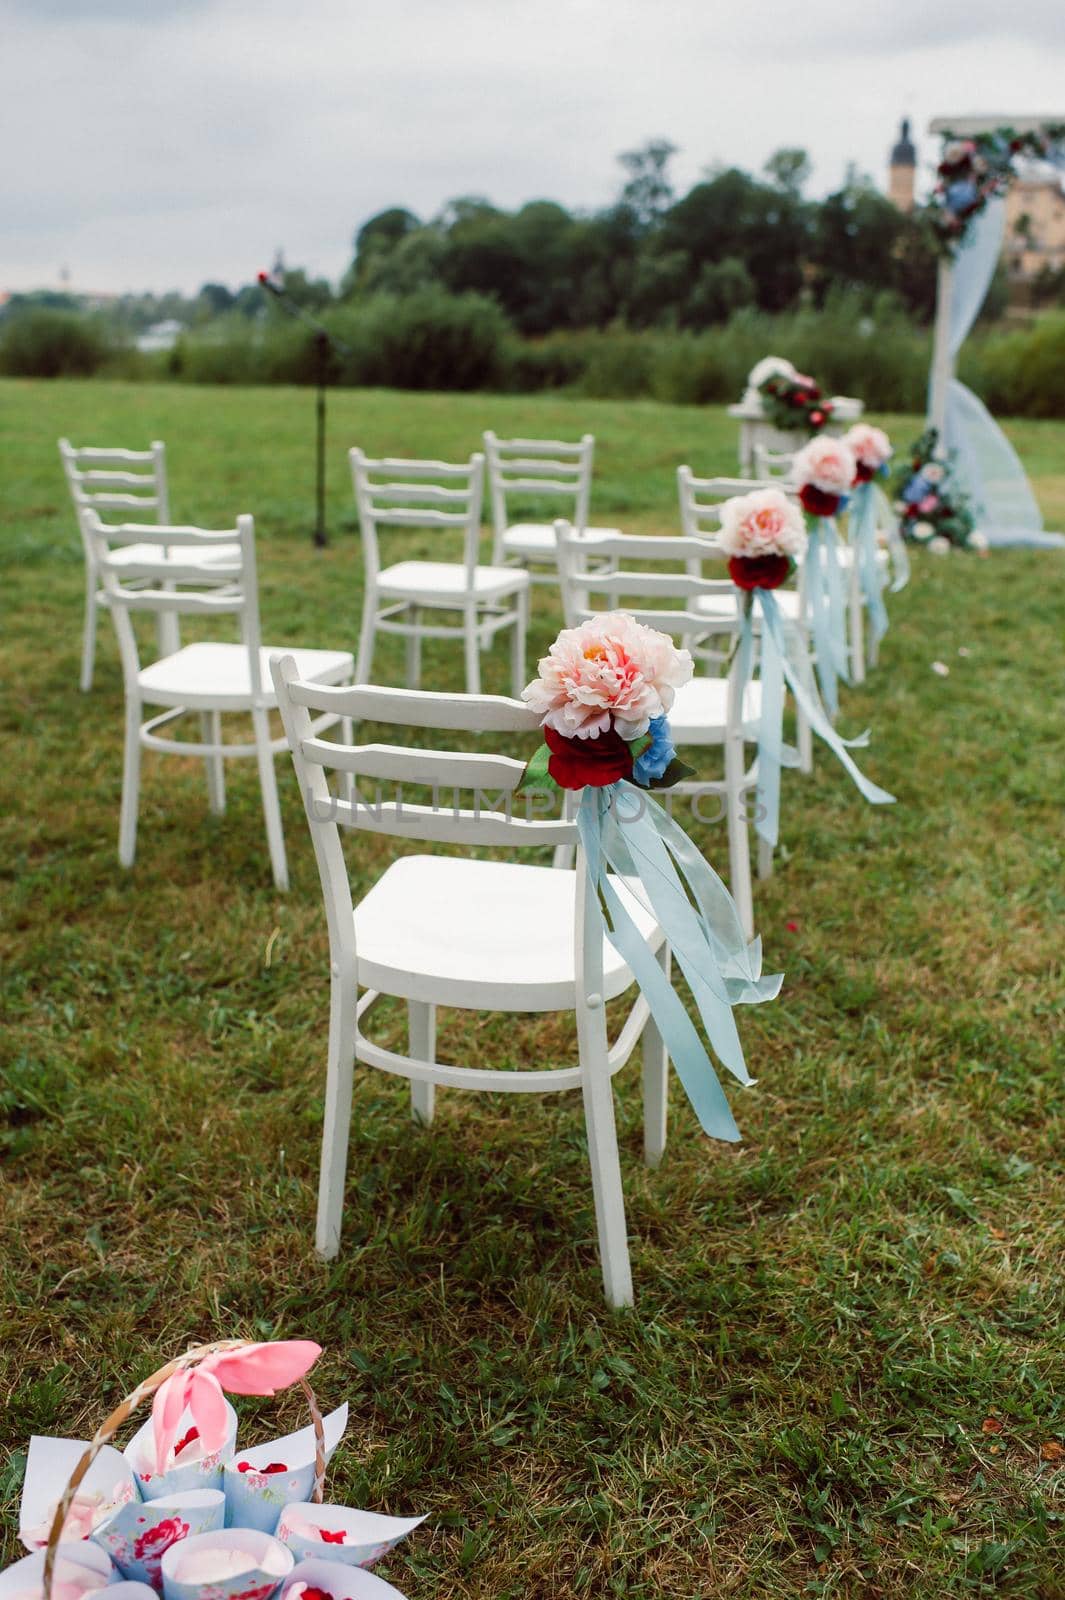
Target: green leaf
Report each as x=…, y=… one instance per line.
x=676, y=772
x=536, y=775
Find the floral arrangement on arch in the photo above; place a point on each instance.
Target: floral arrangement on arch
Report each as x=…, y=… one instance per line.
x=933, y=510
x=184, y=1513
x=974, y=169
x=794, y=403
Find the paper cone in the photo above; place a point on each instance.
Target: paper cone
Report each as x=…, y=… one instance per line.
x=138, y=1535
x=359, y=1538
x=189, y=1469
x=269, y=1564
x=336, y=1582
x=254, y=1496
x=107, y=1485
x=81, y=1568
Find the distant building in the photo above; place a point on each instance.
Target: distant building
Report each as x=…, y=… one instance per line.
x=160, y=336
x=902, y=172
x=1035, y=227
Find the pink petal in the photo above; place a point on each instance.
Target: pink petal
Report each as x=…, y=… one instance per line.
x=208, y=1407
x=168, y=1405
x=264, y=1368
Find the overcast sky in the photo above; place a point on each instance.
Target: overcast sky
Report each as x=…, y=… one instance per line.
x=154, y=144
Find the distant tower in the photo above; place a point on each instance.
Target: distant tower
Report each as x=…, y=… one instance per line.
x=903, y=169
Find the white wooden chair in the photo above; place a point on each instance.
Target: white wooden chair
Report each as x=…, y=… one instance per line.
x=170, y=575
x=133, y=483
x=443, y=497
x=451, y=930
x=706, y=712
x=545, y=470
x=701, y=500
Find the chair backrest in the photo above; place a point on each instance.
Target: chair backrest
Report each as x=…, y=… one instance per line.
x=701, y=500
x=658, y=580
x=171, y=576
x=492, y=815
x=773, y=465
x=129, y=482
x=543, y=469
x=395, y=493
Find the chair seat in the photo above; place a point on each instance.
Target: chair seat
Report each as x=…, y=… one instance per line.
x=218, y=677
x=444, y=582
x=488, y=935
x=131, y=554
x=537, y=539
x=724, y=606
x=700, y=709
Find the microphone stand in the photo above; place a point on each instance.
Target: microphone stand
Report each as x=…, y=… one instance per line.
x=325, y=345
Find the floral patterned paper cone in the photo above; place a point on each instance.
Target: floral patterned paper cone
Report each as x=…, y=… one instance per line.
x=232, y=1564
x=128, y=1590
x=321, y=1580
x=81, y=1569
x=188, y=1467
x=341, y=1534
x=260, y=1481
x=138, y=1536
x=107, y=1485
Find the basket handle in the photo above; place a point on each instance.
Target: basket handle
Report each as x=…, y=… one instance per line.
x=121, y=1414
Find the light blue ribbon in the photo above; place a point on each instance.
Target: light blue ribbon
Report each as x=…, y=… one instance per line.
x=806, y=701
x=863, y=529
x=824, y=593
x=623, y=831
x=773, y=753
x=900, y=561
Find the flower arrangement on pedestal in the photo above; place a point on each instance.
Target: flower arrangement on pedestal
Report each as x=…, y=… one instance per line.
x=182, y=1512
x=933, y=509
x=974, y=169
x=604, y=692
x=794, y=403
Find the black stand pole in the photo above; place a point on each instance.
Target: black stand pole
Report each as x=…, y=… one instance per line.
x=325, y=345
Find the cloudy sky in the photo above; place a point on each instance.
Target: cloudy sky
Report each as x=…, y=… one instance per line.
x=161, y=143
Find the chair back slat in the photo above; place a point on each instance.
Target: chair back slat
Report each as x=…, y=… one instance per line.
x=100, y=476
x=588, y=587
x=542, y=468
x=448, y=824
x=439, y=495
x=417, y=708
x=404, y=765
x=701, y=499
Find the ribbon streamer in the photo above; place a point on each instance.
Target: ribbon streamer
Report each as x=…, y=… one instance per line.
x=900, y=560
x=775, y=659
x=624, y=831
x=863, y=526
x=824, y=591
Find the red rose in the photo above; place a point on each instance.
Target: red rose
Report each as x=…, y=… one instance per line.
x=863, y=474
x=816, y=418
x=591, y=763
x=814, y=391
x=758, y=572
x=151, y=1544
x=817, y=502
x=798, y=398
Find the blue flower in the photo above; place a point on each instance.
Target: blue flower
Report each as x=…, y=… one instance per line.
x=655, y=760
x=960, y=195
x=916, y=489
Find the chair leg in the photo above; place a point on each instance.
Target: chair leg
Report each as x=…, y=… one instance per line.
x=603, y=1157
x=738, y=846
x=271, y=807
x=88, y=641
x=472, y=646
x=337, y=1116
x=421, y=1045
x=131, y=785
x=211, y=729
x=367, y=636
x=805, y=669
x=517, y=645
x=414, y=649
x=655, y=1082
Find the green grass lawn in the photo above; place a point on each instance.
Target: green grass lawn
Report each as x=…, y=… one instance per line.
x=843, y=1373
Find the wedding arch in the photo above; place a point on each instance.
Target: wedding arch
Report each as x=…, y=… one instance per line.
x=978, y=163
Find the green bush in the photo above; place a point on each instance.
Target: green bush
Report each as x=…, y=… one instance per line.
x=51, y=344
x=1020, y=373
x=426, y=340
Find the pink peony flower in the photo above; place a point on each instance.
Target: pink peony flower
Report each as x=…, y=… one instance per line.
x=928, y=504
x=609, y=670
x=871, y=446
x=827, y=464
x=764, y=523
